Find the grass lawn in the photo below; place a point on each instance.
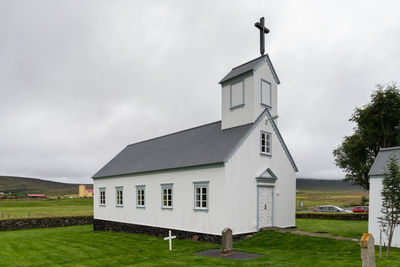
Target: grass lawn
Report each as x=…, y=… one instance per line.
x=353, y=229
x=80, y=246
x=20, y=208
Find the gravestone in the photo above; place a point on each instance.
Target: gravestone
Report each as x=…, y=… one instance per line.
x=227, y=241
x=367, y=245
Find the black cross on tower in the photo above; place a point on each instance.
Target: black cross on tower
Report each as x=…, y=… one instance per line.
x=263, y=30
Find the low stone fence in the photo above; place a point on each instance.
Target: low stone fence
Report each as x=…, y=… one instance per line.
x=333, y=216
x=29, y=223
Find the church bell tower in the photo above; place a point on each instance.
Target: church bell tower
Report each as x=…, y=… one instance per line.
x=250, y=88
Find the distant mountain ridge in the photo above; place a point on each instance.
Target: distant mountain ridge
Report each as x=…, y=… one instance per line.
x=26, y=185
x=325, y=185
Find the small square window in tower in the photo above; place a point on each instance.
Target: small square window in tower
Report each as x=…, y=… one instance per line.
x=266, y=93
x=237, y=94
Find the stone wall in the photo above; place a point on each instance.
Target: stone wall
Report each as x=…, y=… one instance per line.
x=334, y=216
x=103, y=225
x=29, y=223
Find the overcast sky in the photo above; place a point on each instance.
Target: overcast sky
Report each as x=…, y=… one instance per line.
x=79, y=80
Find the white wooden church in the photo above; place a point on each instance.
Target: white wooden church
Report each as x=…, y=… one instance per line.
x=235, y=173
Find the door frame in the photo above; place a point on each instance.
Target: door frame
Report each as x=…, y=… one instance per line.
x=272, y=186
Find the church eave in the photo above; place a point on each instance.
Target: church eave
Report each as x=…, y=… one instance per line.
x=208, y=165
x=239, y=77
x=273, y=70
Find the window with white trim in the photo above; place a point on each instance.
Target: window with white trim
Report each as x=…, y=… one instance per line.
x=140, y=198
x=237, y=95
x=119, y=196
x=266, y=143
x=201, y=195
x=102, y=196
x=166, y=194
x=266, y=93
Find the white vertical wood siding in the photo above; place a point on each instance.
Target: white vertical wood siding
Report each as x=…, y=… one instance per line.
x=375, y=206
x=237, y=94
x=241, y=115
x=264, y=72
x=181, y=217
x=241, y=185
x=252, y=100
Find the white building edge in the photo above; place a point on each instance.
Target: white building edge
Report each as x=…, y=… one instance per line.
x=376, y=175
x=240, y=166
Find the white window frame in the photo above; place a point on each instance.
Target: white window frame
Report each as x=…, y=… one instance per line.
x=266, y=149
x=198, y=198
x=102, y=196
x=167, y=187
x=140, y=196
x=270, y=93
x=232, y=107
x=119, y=197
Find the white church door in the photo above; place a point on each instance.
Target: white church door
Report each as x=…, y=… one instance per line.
x=265, y=206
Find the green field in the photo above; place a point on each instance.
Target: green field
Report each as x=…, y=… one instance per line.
x=312, y=199
x=22, y=208
x=353, y=229
x=80, y=246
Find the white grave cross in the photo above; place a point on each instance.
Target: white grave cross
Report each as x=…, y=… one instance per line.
x=169, y=237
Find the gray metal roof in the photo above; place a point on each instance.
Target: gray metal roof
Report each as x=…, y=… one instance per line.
x=382, y=159
x=249, y=67
x=206, y=144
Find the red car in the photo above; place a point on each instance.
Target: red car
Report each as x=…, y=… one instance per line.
x=361, y=209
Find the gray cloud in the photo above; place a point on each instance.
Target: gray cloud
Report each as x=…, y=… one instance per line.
x=79, y=80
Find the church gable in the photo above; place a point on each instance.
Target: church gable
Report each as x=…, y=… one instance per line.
x=382, y=159
x=265, y=117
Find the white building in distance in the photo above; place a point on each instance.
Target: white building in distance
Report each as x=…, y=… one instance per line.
x=235, y=173
x=375, y=199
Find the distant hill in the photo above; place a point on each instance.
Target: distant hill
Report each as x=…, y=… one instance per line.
x=24, y=185
x=325, y=185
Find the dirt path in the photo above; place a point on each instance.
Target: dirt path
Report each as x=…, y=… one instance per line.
x=298, y=232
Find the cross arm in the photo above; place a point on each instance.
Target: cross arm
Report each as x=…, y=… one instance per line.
x=261, y=27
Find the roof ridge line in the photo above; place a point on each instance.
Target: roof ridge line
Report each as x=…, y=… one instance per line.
x=390, y=148
x=151, y=139
x=249, y=61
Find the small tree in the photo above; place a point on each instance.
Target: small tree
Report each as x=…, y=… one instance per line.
x=390, y=218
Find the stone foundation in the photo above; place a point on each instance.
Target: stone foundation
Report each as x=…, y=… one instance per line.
x=103, y=225
x=29, y=223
